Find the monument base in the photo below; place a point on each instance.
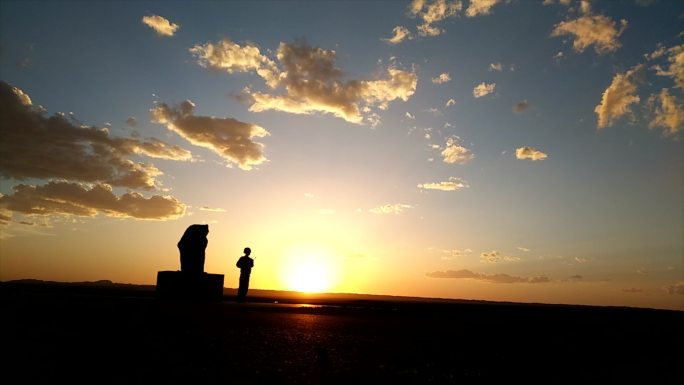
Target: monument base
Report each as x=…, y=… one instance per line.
x=177, y=284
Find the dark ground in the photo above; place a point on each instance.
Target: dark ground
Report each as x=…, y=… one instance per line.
x=96, y=335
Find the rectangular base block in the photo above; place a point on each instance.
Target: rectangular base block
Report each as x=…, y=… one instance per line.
x=177, y=284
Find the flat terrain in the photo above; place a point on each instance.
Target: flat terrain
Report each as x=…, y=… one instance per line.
x=98, y=335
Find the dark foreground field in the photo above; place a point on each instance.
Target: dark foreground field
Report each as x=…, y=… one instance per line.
x=96, y=335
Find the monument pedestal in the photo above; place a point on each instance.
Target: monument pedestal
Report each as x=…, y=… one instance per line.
x=177, y=284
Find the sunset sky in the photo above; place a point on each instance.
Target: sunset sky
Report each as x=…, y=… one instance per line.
x=525, y=150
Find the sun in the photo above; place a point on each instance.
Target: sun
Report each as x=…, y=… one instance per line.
x=309, y=270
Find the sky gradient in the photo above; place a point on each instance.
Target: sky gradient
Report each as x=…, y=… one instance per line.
x=523, y=151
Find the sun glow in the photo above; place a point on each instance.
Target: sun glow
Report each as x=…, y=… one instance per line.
x=309, y=269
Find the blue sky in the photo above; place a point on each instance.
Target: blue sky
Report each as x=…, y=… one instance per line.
x=596, y=214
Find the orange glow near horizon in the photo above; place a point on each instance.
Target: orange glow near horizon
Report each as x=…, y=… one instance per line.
x=309, y=269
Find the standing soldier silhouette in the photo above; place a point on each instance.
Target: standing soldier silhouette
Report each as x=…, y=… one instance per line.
x=245, y=263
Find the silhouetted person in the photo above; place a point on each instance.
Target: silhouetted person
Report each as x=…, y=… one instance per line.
x=245, y=263
x=191, y=247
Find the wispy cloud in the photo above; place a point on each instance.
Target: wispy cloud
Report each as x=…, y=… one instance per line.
x=442, y=78
x=521, y=106
x=677, y=288
x=483, y=89
x=37, y=146
x=592, y=30
x=450, y=102
x=454, y=152
x=669, y=113
x=212, y=209
x=399, y=34
x=161, y=25
x=495, y=257
x=395, y=208
x=309, y=80
x=618, y=97
x=452, y=184
x=491, y=278
x=530, y=153
x=59, y=197
x=228, y=137
x=480, y=7
x=496, y=67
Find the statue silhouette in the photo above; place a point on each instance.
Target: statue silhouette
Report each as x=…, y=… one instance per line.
x=191, y=246
x=245, y=263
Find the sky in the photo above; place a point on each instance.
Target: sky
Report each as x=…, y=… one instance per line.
x=526, y=151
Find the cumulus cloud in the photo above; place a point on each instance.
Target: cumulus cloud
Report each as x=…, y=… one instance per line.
x=399, y=34
x=669, y=113
x=36, y=146
x=309, y=80
x=483, y=89
x=618, y=97
x=677, y=288
x=452, y=184
x=442, y=78
x=454, y=152
x=480, y=7
x=67, y=198
x=521, y=106
x=228, y=137
x=433, y=12
x=676, y=67
x=395, y=208
x=530, y=153
x=162, y=26
x=597, y=30
x=491, y=278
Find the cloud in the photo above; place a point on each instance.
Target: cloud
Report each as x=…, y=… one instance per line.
x=483, y=89
x=132, y=122
x=491, y=278
x=36, y=146
x=162, y=26
x=410, y=116
x=390, y=208
x=309, y=80
x=442, y=78
x=676, y=68
x=677, y=288
x=495, y=67
x=228, y=137
x=525, y=249
x=450, y=103
x=212, y=210
x=60, y=197
x=530, y=153
x=399, y=34
x=597, y=30
x=452, y=184
x=434, y=12
x=480, y=7
x=455, y=153
x=521, y=106
x=495, y=257
x=669, y=114
x=618, y=97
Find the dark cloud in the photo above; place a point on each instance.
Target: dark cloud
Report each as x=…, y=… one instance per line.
x=521, y=106
x=36, y=146
x=60, y=197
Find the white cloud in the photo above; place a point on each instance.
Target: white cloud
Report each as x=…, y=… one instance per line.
x=309, y=81
x=395, y=208
x=162, y=26
x=399, y=34
x=452, y=184
x=491, y=278
x=530, y=153
x=618, y=97
x=450, y=103
x=410, y=116
x=483, y=89
x=455, y=153
x=480, y=7
x=669, y=113
x=442, y=78
x=495, y=67
x=228, y=137
x=597, y=30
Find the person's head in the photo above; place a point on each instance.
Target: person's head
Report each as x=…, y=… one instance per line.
x=248, y=251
